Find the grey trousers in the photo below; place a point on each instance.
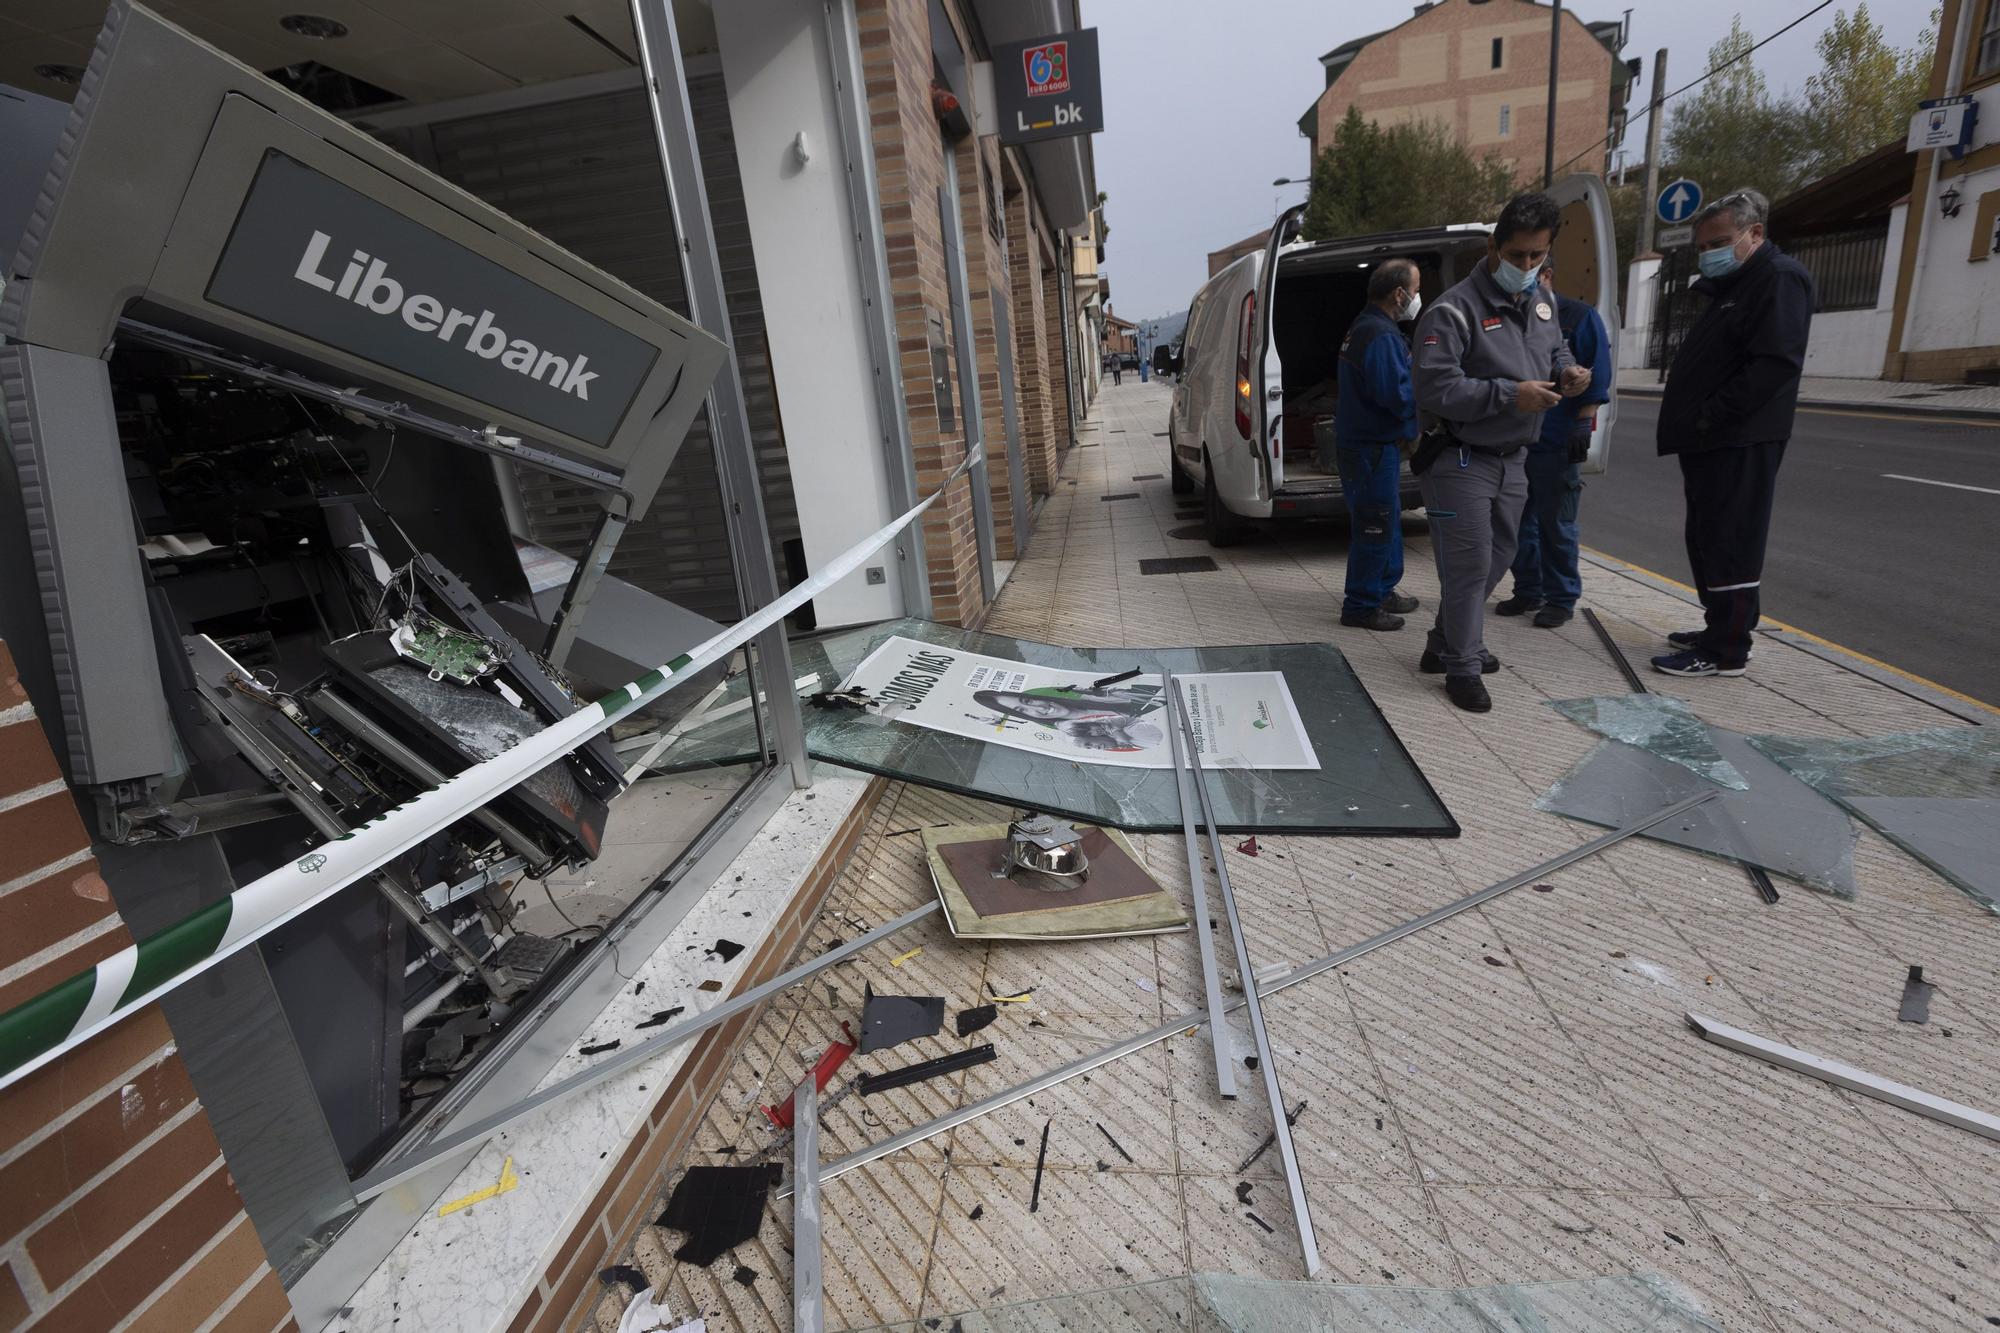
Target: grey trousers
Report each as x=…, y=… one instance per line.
x=1475, y=518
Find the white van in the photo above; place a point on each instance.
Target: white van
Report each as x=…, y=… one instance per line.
x=1262, y=349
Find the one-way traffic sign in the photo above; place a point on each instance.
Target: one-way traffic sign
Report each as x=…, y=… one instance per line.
x=1678, y=202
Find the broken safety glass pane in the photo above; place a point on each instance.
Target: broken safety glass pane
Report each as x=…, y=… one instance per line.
x=1291, y=739
x=1778, y=823
x=1216, y=1303
x=1656, y=722
x=1935, y=794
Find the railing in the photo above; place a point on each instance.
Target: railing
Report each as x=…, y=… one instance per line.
x=1846, y=266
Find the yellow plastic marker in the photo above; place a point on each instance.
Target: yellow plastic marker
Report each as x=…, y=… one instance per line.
x=508, y=1180
x=903, y=958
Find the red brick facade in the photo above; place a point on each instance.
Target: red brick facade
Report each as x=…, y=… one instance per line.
x=115, y=1203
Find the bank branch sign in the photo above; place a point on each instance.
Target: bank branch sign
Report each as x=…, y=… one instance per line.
x=1048, y=88
x=313, y=256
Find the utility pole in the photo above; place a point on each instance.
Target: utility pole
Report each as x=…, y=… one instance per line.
x=1653, y=116
x=1555, y=69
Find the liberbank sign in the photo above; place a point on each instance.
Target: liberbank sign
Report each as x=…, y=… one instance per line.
x=1048, y=88
x=318, y=258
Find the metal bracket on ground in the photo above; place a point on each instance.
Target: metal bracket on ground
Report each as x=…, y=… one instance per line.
x=808, y=1303
x=1204, y=933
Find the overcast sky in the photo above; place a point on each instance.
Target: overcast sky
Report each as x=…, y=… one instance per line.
x=1202, y=100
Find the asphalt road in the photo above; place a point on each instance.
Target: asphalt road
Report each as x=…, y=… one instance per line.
x=1906, y=571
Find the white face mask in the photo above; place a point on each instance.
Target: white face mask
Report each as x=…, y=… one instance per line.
x=1415, y=303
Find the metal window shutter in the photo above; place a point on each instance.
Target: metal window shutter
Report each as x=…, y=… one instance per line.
x=586, y=174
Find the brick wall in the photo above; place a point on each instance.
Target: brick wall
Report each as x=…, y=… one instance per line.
x=1947, y=365
x=986, y=273
x=115, y=1203
x=1024, y=277
x=630, y=1196
x=1057, y=312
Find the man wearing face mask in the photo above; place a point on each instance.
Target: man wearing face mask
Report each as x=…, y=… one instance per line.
x=1490, y=359
x=1727, y=413
x=1375, y=420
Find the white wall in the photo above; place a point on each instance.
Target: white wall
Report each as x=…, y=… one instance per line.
x=1850, y=344
x=1640, y=290
x=774, y=65
x=1955, y=302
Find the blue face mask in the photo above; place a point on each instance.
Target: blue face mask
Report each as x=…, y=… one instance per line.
x=1719, y=263
x=1514, y=281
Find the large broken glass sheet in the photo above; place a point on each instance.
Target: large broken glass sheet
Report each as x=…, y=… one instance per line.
x=1218, y=1303
x=1366, y=782
x=1935, y=794
x=1779, y=823
x=1656, y=722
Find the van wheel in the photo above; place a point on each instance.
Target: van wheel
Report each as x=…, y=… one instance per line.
x=1177, y=475
x=1224, y=528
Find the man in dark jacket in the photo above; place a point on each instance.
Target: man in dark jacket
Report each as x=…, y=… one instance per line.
x=1727, y=413
x=1547, y=580
x=1375, y=419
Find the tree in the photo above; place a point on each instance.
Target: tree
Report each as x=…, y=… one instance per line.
x=1412, y=175
x=1733, y=133
x=1863, y=96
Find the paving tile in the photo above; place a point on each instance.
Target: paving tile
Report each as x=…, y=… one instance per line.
x=1546, y=1236
x=1848, y=1266
x=1126, y=1100
x=1372, y=1234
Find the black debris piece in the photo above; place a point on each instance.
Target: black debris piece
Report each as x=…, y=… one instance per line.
x=710, y=985
x=745, y=1274
x=925, y=1069
x=1675, y=1239
x=1149, y=476
x=891, y=1020
x=1261, y=1222
x=598, y=1049
x=624, y=1275
x=972, y=1020
x=663, y=1016
x=1271, y=1138
x=1544, y=888
x=855, y=701
x=1114, y=1143
x=1036, y=1023
x=1122, y=495
x=1103, y=1165
x=640, y=988
x=1120, y=678
x=1378, y=1122
x=1250, y=1062
x=719, y=1207
x=1916, y=998
x=978, y=1211
x=1494, y=962
x=1242, y=1191
x=1041, y=1160
x=726, y=949
x=1180, y=564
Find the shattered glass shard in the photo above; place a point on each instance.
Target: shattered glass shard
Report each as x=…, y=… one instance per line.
x=1656, y=722
x=1778, y=823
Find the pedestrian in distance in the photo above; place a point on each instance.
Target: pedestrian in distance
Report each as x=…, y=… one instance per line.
x=1490, y=360
x=1117, y=368
x=1375, y=427
x=1546, y=578
x=1726, y=414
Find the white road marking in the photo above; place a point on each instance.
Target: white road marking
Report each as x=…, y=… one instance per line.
x=1955, y=485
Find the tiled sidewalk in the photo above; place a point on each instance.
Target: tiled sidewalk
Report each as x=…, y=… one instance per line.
x=1509, y=1096
x=1889, y=395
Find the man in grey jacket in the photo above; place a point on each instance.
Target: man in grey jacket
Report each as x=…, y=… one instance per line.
x=1490, y=359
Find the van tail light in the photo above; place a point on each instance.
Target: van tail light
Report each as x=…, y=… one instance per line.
x=1244, y=388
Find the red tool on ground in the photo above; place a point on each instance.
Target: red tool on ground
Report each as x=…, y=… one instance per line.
x=836, y=1056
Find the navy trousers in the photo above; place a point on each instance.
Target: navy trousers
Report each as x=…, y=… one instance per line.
x=1729, y=494
x=1545, y=568
x=1371, y=484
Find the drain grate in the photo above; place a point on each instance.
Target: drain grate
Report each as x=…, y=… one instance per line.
x=1149, y=476
x=1122, y=495
x=1179, y=564
x=1191, y=533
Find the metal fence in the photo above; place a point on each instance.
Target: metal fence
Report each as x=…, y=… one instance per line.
x=1846, y=266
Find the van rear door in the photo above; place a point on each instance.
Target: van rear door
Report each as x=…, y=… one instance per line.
x=1586, y=257
x=1267, y=376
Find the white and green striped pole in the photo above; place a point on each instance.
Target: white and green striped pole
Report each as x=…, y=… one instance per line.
x=41, y=1029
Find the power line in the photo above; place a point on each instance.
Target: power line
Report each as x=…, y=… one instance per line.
x=1652, y=107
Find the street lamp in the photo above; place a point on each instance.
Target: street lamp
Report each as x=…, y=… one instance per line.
x=1948, y=201
x=1291, y=180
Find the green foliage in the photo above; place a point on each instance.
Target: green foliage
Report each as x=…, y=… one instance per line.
x=1863, y=96
x=1413, y=175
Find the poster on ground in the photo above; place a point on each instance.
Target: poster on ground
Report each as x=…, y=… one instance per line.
x=1242, y=719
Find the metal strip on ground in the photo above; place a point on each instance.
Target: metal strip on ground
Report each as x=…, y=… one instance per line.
x=1267, y=1064
x=398, y=1169
x=1204, y=933
x=1187, y=1022
x=1914, y=1100
x=808, y=1301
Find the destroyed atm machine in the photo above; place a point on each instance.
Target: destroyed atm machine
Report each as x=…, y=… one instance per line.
x=262, y=380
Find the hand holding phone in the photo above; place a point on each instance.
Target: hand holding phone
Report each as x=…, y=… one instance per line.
x=1535, y=396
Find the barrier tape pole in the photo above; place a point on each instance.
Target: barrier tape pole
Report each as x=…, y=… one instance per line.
x=64, y=1017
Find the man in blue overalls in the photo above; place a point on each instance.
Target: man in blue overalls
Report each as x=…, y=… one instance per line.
x=1375, y=420
x=1546, y=578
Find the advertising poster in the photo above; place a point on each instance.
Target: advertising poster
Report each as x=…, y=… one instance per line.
x=1242, y=719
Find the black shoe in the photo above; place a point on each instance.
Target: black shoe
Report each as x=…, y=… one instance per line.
x=1553, y=617
x=1401, y=603
x=1690, y=640
x=1696, y=662
x=1431, y=665
x=1518, y=606
x=1469, y=693
x=1377, y=619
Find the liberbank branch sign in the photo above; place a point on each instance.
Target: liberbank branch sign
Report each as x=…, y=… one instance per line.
x=1048, y=88
x=319, y=258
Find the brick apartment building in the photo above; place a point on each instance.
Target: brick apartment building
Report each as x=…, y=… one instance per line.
x=1481, y=67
